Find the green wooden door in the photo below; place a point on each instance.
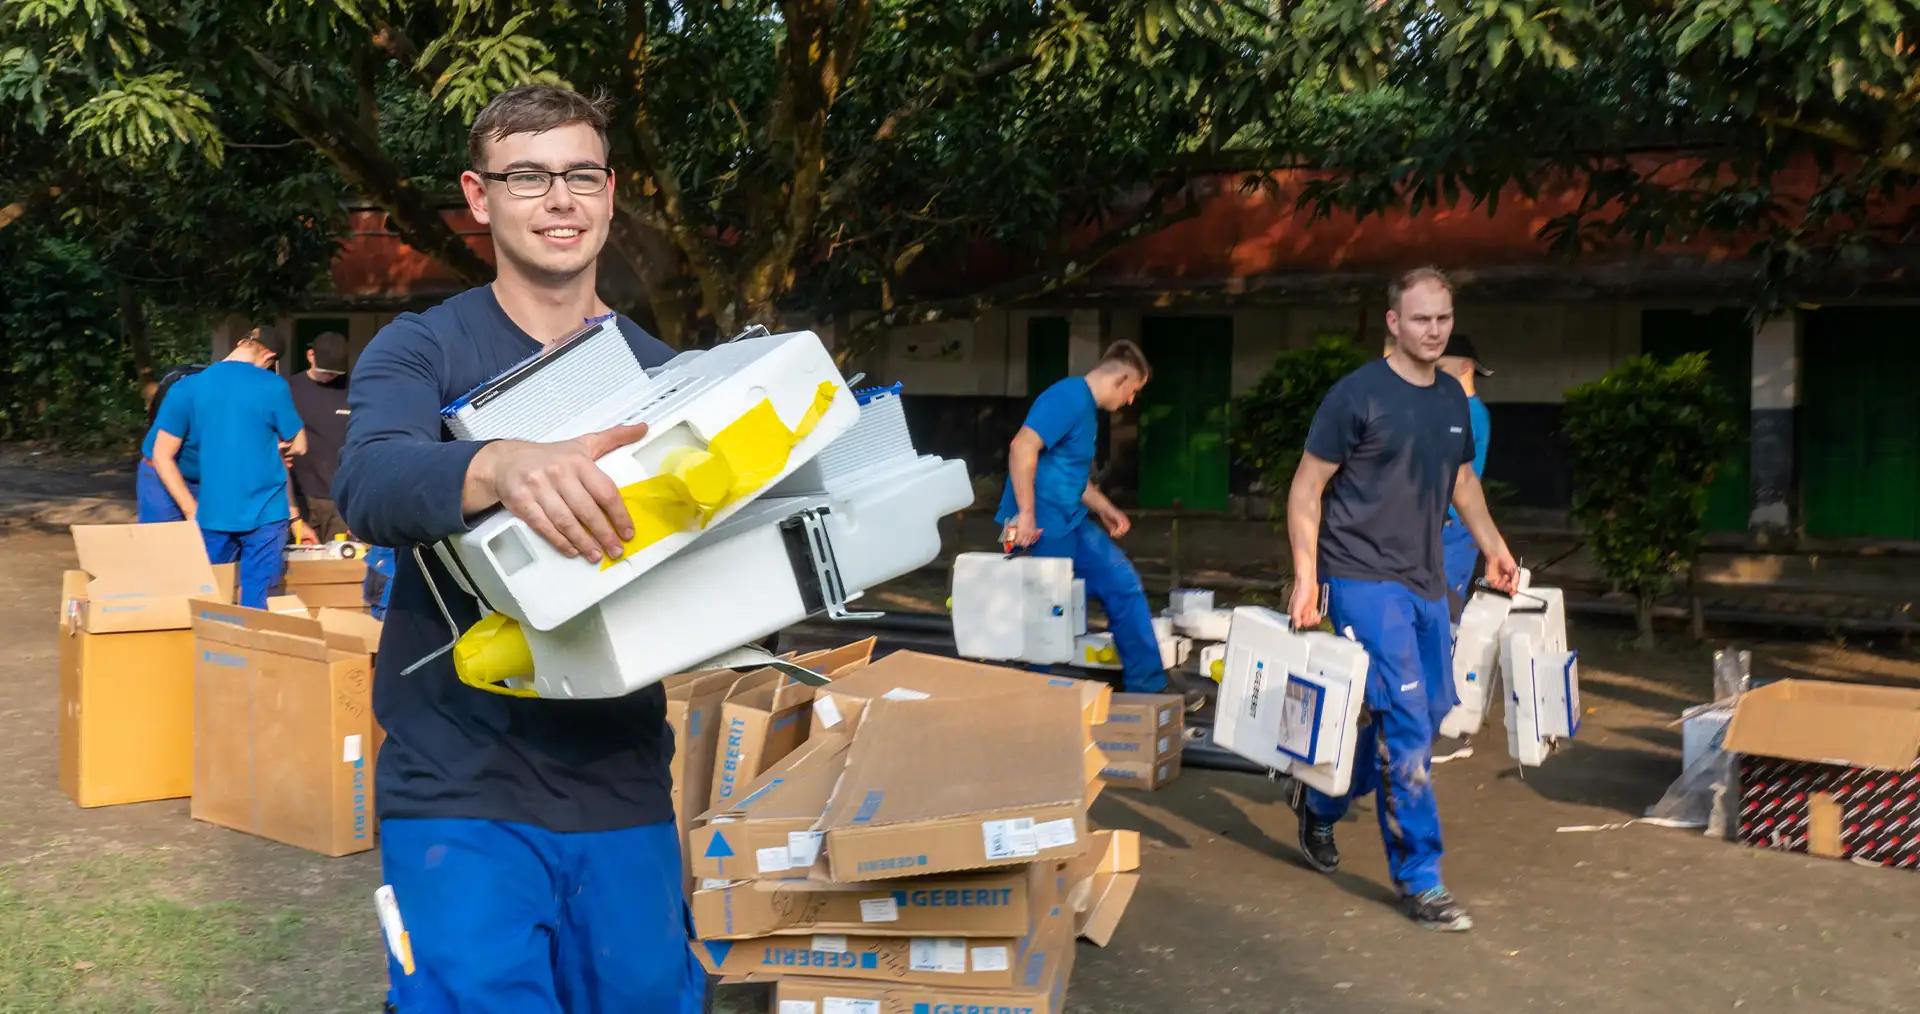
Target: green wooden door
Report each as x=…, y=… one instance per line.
x=1046, y=353
x=1727, y=339
x=1183, y=412
x=1860, y=423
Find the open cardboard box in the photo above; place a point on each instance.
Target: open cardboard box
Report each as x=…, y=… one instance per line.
x=283, y=725
x=765, y=714
x=912, y=675
x=1829, y=769
x=770, y=832
x=126, y=660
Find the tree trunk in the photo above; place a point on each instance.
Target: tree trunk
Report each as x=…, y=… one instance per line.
x=1643, y=616
x=133, y=330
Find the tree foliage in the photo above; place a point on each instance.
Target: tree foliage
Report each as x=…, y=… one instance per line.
x=1644, y=442
x=1270, y=420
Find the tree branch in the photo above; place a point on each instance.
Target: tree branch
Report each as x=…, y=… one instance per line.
x=1153, y=216
x=358, y=155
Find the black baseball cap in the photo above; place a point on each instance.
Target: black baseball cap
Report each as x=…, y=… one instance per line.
x=1461, y=347
x=330, y=352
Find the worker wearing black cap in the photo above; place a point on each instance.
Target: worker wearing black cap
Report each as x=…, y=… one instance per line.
x=320, y=395
x=1462, y=362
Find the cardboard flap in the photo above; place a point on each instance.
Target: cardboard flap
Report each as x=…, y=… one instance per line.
x=798, y=786
x=834, y=660
x=1828, y=723
x=288, y=605
x=938, y=676
x=343, y=626
x=925, y=760
x=1108, y=899
x=155, y=560
x=256, y=628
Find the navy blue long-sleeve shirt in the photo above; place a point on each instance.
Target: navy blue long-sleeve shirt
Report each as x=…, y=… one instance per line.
x=454, y=751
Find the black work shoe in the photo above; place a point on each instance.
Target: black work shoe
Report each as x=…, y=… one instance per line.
x=1316, y=835
x=1194, y=699
x=1435, y=909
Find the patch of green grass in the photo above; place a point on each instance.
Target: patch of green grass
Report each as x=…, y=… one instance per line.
x=103, y=937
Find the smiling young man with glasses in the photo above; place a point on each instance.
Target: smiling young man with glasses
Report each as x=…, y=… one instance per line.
x=530, y=844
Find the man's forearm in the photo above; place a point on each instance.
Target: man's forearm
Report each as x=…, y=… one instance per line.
x=1021, y=467
x=168, y=470
x=1303, y=532
x=1470, y=501
x=477, y=493
x=1095, y=500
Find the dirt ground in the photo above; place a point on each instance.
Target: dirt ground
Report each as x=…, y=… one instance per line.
x=140, y=908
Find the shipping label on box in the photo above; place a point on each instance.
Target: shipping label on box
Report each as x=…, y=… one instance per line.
x=938, y=786
x=979, y=905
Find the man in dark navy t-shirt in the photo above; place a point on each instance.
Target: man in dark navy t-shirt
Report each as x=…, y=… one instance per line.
x=1390, y=448
x=530, y=844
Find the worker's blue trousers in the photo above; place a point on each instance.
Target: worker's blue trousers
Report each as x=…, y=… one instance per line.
x=155, y=504
x=1111, y=579
x=262, y=554
x=513, y=919
x=1409, y=690
x=1460, y=554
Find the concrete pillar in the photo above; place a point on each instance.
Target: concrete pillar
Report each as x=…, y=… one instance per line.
x=1086, y=339
x=1773, y=455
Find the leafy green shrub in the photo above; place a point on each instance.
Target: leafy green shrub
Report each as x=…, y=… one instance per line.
x=1644, y=441
x=1270, y=421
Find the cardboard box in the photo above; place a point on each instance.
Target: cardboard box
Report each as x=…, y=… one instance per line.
x=999, y=904
x=1141, y=774
x=1040, y=987
x=302, y=573
x=1830, y=769
x=693, y=716
x=947, y=962
x=765, y=715
x=283, y=722
x=770, y=832
x=334, y=596
x=938, y=786
x=911, y=674
x=1141, y=727
x=126, y=661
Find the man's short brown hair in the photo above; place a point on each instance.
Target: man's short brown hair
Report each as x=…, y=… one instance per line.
x=532, y=109
x=1127, y=354
x=1399, y=286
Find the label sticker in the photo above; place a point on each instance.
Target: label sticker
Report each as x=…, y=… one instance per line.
x=879, y=910
x=714, y=883
x=1165, y=717
x=350, y=749
x=834, y=944
x=842, y=1005
x=903, y=694
x=828, y=711
x=989, y=959
x=773, y=860
x=797, y=1007
x=1054, y=833
x=803, y=847
x=1166, y=743
x=1010, y=839
x=938, y=954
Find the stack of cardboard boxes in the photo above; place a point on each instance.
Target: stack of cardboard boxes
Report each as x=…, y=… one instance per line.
x=921, y=837
x=170, y=690
x=1142, y=739
x=325, y=584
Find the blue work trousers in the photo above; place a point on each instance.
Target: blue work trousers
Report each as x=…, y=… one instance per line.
x=1460, y=555
x=507, y=918
x=1111, y=579
x=155, y=503
x=262, y=554
x=1409, y=690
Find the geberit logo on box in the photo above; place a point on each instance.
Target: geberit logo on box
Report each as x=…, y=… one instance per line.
x=986, y=897
x=968, y=1008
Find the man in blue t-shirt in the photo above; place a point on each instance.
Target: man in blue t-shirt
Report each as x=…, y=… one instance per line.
x=241, y=415
x=155, y=503
x=1050, y=492
x=530, y=844
x=1462, y=362
x=1390, y=448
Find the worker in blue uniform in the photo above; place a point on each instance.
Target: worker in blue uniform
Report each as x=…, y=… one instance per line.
x=1462, y=362
x=1052, y=505
x=1390, y=447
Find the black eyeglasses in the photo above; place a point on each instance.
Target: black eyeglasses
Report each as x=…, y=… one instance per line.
x=582, y=180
